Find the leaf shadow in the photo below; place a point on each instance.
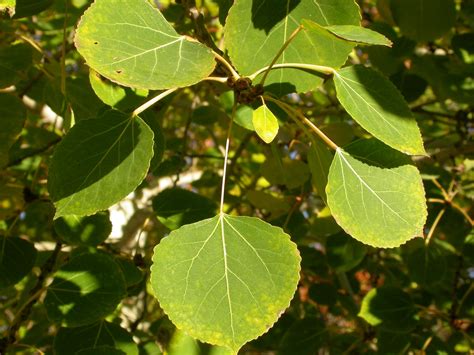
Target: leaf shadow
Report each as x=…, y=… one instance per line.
x=267, y=14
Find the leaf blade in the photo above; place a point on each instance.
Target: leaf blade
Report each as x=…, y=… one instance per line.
x=359, y=34
x=143, y=51
x=225, y=293
x=380, y=207
x=379, y=108
x=265, y=123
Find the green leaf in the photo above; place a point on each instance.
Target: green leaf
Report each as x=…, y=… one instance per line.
x=375, y=103
x=17, y=258
x=82, y=98
x=176, y=207
x=26, y=8
x=389, y=308
x=304, y=337
x=132, y=274
x=84, y=231
x=344, y=253
x=98, y=163
x=132, y=44
x=265, y=123
x=359, y=34
x=14, y=61
x=85, y=290
x=265, y=25
x=12, y=118
x=422, y=20
x=288, y=172
x=380, y=207
x=71, y=340
x=101, y=350
x=225, y=280
x=319, y=161
x=121, y=98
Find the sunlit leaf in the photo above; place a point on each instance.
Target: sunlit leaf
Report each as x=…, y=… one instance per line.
x=265, y=123
x=319, y=161
x=382, y=207
x=359, y=34
x=131, y=43
x=375, y=103
x=225, y=280
x=265, y=25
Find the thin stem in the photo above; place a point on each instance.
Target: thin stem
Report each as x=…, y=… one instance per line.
x=226, y=157
x=216, y=78
x=464, y=298
x=231, y=69
x=434, y=226
x=463, y=212
x=294, y=113
x=280, y=52
x=153, y=101
x=313, y=67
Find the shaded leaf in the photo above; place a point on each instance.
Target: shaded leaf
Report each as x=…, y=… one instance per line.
x=17, y=258
x=359, y=34
x=292, y=173
x=265, y=123
x=389, y=308
x=424, y=21
x=12, y=118
x=304, y=337
x=379, y=207
x=14, y=60
x=131, y=43
x=375, y=103
x=71, y=340
x=98, y=163
x=343, y=252
x=84, y=231
x=26, y=8
x=85, y=290
x=176, y=207
x=225, y=280
x=319, y=161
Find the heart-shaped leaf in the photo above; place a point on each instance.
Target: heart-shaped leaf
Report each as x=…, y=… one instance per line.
x=225, y=280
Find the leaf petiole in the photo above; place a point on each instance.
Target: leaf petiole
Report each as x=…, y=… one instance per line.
x=153, y=101
x=313, y=67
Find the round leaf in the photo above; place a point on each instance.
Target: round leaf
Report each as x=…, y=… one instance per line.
x=71, y=340
x=85, y=290
x=380, y=207
x=85, y=231
x=131, y=43
x=389, y=308
x=98, y=163
x=17, y=258
x=225, y=280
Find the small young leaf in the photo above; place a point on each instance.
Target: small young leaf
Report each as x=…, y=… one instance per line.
x=99, y=162
x=17, y=258
x=359, y=34
x=380, y=207
x=131, y=43
x=265, y=123
x=225, y=280
x=85, y=290
x=375, y=103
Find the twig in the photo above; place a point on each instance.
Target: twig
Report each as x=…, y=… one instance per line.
x=34, y=152
x=153, y=101
x=317, y=68
x=434, y=226
x=229, y=67
x=226, y=157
